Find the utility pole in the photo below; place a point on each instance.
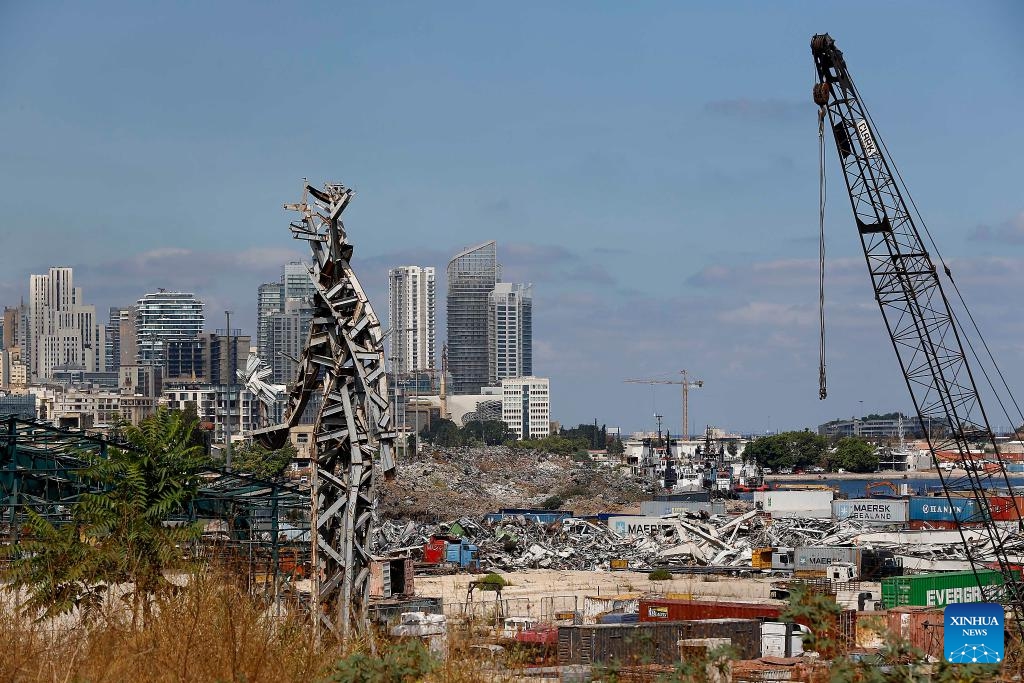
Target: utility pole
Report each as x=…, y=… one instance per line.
x=231, y=383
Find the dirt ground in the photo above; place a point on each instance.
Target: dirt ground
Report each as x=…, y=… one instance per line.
x=531, y=592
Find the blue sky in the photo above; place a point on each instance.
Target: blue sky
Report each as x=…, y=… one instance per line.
x=651, y=167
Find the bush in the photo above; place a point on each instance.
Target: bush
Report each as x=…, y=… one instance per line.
x=660, y=575
x=408, y=660
x=493, y=582
x=552, y=503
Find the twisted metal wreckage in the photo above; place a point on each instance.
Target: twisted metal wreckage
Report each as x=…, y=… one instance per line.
x=343, y=358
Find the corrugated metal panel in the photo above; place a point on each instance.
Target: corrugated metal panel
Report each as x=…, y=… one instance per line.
x=658, y=610
x=938, y=590
x=871, y=510
x=923, y=627
x=630, y=644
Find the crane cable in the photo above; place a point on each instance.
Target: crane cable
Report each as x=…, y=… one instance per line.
x=822, y=388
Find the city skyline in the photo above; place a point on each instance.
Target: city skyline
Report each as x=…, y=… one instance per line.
x=664, y=199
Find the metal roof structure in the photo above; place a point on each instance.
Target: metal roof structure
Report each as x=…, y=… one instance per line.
x=39, y=470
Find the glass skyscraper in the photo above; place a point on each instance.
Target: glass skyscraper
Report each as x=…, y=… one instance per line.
x=472, y=275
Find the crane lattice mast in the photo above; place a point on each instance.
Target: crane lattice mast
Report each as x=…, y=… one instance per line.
x=924, y=331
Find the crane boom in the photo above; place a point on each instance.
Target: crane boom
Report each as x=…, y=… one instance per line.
x=923, y=329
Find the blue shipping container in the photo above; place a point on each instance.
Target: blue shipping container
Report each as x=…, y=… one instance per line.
x=927, y=508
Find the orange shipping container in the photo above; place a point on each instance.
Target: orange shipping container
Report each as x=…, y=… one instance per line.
x=922, y=627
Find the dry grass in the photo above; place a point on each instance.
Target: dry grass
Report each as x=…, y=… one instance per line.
x=210, y=631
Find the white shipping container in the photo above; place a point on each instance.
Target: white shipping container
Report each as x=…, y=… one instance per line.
x=816, y=503
x=640, y=525
x=871, y=510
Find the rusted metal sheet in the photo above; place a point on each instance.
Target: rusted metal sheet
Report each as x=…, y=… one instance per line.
x=650, y=643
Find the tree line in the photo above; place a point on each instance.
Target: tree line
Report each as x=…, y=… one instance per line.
x=800, y=450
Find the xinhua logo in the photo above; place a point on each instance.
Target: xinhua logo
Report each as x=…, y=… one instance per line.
x=974, y=633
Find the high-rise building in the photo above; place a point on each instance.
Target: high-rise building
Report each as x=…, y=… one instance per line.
x=509, y=332
x=526, y=407
x=62, y=330
x=297, y=283
x=113, y=348
x=284, y=312
x=162, y=317
x=128, y=336
x=286, y=337
x=412, y=307
x=472, y=275
x=269, y=300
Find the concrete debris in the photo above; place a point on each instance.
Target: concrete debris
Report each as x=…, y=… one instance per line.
x=685, y=540
x=477, y=480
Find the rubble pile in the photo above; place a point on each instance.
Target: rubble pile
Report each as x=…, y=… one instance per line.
x=520, y=542
x=471, y=481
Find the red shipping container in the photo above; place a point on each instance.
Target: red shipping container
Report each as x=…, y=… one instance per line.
x=940, y=524
x=434, y=550
x=1003, y=508
x=695, y=610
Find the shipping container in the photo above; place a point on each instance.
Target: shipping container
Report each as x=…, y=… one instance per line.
x=390, y=577
x=695, y=495
x=658, y=508
x=933, y=525
x=820, y=557
x=817, y=504
x=647, y=643
x=871, y=510
x=939, y=590
x=930, y=508
x=922, y=627
x=660, y=609
x=1005, y=508
x=531, y=514
x=637, y=525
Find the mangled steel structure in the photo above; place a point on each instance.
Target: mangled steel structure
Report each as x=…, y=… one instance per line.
x=353, y=433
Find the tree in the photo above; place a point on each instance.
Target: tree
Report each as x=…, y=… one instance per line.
x=258, y=461
x=491, y=432
x=441, y=432
x=854, y=454
x=732, y=448
x=117, y=534
x=616, y=447
x=787, y=450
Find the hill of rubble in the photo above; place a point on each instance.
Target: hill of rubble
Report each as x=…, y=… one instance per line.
x=468, y=481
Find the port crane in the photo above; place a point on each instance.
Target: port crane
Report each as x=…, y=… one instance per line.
x=687, y=384
x=928, y=337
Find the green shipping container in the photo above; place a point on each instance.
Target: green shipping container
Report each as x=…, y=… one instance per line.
x=939, y=590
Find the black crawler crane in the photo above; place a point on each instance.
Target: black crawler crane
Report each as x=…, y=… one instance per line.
x=927, y=335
